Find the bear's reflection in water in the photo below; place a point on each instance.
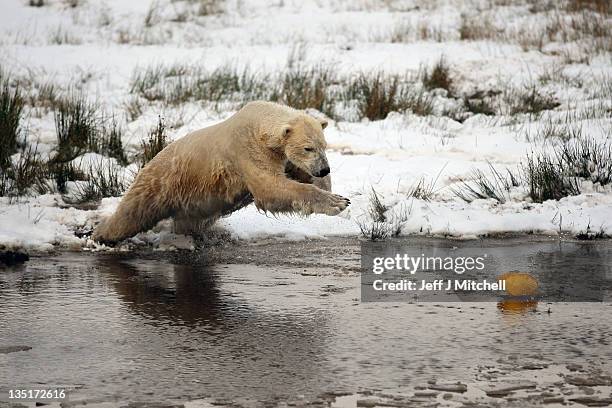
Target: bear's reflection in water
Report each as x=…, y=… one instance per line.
x=169, y=294
x=196, y=318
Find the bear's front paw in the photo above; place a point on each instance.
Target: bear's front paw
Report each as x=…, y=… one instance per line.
x=332, y=204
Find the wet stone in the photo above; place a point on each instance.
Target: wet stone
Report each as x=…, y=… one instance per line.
x=334, y=394
x=388, y=396
x=10, y=258
x=368, y=403
x=14, y=349
x=534, y=366
x=151, y=405
x=396, y=403
x=574, y=367
x=591, y=381
x=221, y=402
x=313, y=403
x=501, y=390
x=592, y=401
x=567, y=392
x=432, y=394
x=309, y=273
x=449, y=387
x=587, y=390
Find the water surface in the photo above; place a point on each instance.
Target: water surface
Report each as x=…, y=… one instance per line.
x=125, y=329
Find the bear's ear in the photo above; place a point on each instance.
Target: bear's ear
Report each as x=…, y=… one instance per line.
x=287, y=129
x=323, y=123
x=278, y=139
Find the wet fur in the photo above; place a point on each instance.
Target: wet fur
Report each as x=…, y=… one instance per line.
x=257, y=155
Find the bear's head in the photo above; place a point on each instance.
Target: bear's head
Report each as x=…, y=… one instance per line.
x=304, y=145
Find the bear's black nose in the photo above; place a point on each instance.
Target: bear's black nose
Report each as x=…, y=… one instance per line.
x=323, y=172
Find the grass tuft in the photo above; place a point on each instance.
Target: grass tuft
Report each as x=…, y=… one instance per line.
x=210, y=7
x=377, y=228
x=529, y=100
x=480, y=185
x=590, y=235
x=133, y=108
x=61, y=173
x=482, y=106
x=11, y=110
x=422, y=189
x=556, y=175
x=548, y=175
x=547, y=179
x=377, y=95
x=555, y=132
x=304, y=88
x=439, y=77
x=381, y=225
x=110, y=143
x=587, y=159
x=72, y=3
x=60, y=36
x=102, y=179
x=152, y=16
x=81, y=128
x=599, y=6
x=157, y=141
x=377, y=209
x=76, y=125
x=20, y=176
x=46, y=96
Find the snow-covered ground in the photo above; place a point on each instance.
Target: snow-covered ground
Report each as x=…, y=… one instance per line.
x=97, y=46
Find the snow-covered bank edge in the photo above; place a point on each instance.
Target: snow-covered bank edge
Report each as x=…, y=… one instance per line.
x=45, y=223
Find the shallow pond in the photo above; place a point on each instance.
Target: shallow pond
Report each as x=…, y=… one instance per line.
x=124, y=329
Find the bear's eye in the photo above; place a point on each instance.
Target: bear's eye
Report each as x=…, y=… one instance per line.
x=309, y=149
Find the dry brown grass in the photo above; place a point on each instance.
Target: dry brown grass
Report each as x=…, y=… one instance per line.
x=599, y=6
x=439, y=77
x=406, y=32
x=477, y=28
x=585, y=23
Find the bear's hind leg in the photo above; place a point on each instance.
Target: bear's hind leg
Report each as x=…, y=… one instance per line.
x=139, y=210
x=186, y=224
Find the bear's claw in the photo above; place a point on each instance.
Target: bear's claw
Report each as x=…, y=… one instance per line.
x=333, y=204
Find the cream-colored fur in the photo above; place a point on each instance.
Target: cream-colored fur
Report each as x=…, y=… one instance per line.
x=214, y=171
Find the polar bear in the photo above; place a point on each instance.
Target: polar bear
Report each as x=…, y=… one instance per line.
x=266, y=153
